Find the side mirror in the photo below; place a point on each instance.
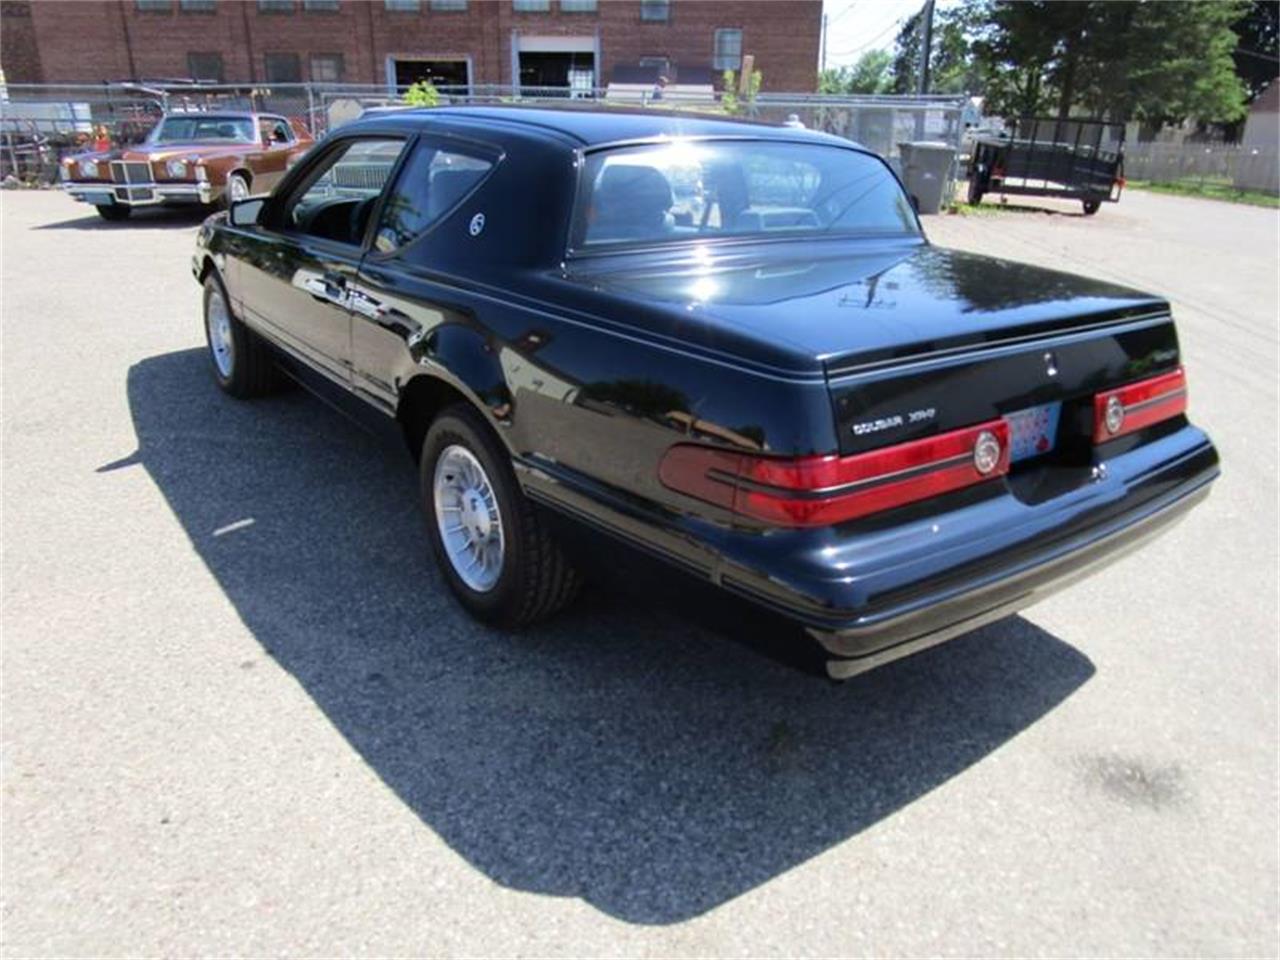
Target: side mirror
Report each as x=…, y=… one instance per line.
x=245, y=213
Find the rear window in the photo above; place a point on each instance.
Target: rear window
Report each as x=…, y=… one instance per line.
x=688, y=189
x=197, y=128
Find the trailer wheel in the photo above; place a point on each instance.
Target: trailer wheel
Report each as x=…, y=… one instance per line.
x=1091, y=207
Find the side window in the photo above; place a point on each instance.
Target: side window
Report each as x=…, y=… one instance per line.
x=336, y=199
x=275, y=131
x=431, y=184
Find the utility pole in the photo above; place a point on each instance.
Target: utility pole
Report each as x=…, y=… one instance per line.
x=823, y=68
x=926, y=45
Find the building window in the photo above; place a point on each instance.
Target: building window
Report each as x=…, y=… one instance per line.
x=403, y=6
x=320, y=6
x=577, y=6
x=326, y=67
x=154, y=6
x=655, y=11
x=283, y=68
x=446, y=6
x=205, y=66
x=198, y=6
x=728, y=54
x=275, y=6
x=531, y=6
x=662, y=63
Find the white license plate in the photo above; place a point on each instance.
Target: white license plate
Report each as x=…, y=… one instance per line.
x=1032, y=431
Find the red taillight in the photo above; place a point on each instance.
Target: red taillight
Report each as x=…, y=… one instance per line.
x=822, y=490
x=1126, y=409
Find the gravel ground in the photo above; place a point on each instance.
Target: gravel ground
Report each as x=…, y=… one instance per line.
x=241, y=716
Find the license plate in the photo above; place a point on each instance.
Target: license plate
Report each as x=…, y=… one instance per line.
x=1032, y=431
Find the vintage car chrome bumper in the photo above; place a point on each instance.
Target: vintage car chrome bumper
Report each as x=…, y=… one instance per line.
x=140, y=194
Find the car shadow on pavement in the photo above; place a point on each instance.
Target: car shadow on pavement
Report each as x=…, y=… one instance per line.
x=624, y=753
x=160, y=218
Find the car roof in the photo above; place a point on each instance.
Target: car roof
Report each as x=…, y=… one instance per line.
x=593, y=126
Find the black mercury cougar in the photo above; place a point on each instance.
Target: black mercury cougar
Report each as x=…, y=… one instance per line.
x=725, y=343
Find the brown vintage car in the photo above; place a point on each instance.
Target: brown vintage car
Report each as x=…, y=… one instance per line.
x=189, y=158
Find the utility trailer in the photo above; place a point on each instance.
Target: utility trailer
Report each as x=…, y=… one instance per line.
x=1076, y=159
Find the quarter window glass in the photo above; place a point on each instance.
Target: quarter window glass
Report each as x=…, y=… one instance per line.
x=274, y=131
x=689, y=190
x=432, y=184
x=336, y=200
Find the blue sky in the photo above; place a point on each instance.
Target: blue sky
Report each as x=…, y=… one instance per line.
x=856, y=26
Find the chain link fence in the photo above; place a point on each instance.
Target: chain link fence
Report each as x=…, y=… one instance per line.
x=41, y=123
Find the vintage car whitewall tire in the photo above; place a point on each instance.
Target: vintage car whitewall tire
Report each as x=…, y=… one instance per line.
x=492, y=545
x=241, y=362
x=237, y=188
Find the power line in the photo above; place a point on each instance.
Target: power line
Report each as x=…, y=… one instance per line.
x=876, y=39
x=848, y=9
x=1255, y=53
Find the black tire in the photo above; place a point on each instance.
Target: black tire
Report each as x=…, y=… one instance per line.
x=114, y=212
x=250, y=371
x=1091, y=207
x=975, y=191
x=535, y=579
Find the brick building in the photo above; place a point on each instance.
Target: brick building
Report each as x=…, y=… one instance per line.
x=573, y=43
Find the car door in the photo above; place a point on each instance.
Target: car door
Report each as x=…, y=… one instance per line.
x=296, y=279
x=392, y=310
x=270, y=162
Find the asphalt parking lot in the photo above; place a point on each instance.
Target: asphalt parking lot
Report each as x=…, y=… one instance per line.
x=242, y=716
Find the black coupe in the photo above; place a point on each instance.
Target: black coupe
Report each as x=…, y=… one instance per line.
x=728, y=344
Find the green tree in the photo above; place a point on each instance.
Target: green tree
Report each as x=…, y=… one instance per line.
x=1257, y=53
x=869, y=74
x=730, y=101
x=422, y=94
x=1150, y=61
x=952, y=67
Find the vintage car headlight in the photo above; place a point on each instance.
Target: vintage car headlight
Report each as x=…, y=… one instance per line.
x=176, y=168
x=89, y=169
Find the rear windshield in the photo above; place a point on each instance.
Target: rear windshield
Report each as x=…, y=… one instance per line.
x=193, y=129
x=688, y=189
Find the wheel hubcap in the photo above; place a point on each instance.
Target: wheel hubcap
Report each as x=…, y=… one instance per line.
x=238, y=189
x=220, y=342
x=468, y=518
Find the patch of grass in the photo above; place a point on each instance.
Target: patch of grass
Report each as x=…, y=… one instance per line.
x=992, y=209
x=1214, y=189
